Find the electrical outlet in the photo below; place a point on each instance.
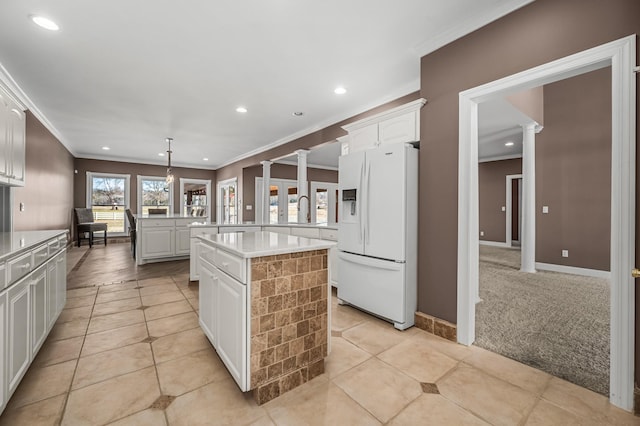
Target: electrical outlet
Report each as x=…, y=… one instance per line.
x=21, y=207
x=504, y=209
x=482, y=233
x=565, y=253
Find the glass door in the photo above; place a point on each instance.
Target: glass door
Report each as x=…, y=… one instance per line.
x=108, y=197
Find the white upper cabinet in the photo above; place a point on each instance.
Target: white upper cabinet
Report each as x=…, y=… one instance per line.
x=12, y=140
x=400, y=124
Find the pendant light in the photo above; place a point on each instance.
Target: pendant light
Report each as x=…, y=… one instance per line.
x=169, y=171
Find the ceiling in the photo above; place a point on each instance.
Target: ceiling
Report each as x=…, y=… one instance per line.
x=499, y=122
x=128, y=74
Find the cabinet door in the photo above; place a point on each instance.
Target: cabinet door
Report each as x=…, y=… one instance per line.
x=39, y=322
x=61, y=282
x=208, y=289
x=3, y=350
x=18, y=333
x=232, y=327
x=157, y=242
x=363, y=138
x=17, y=124
x=182, y=241
x=52, y=290
x=5, y=152
x=399, y=129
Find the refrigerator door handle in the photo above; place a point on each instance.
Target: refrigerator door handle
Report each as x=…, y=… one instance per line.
x=368, y=225
x=360, y=204
x=369, y=261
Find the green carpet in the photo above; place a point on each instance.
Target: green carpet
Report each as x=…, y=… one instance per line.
x=558, y=323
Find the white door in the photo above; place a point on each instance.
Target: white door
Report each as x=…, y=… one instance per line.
x=18, y=332
x=3, y=350
x=283, y=201
x=39, y=320
x=208, y=288
x=324, y=203
x=183, y=237
x=351, y=175
x=52, y=289
x=17, y=132
x=232, y=327
x=61, y=281
x=5, y=151
x=385, y=195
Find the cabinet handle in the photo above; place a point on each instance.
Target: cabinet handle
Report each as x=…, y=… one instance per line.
x=25, y=266
x=225, y=265
x=42, y=255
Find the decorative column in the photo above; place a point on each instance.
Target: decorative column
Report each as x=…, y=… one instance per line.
x=266, y=191
x=528, y=244
x=303, y=185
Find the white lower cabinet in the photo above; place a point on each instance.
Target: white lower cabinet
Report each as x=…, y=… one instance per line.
x=232, y=327
x=3, y=350
x=18, y=332
x=182, y=241
x=223, y=314
x=29, y=307
x=39, y=320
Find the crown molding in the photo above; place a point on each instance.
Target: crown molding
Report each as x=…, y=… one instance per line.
x=19, y=95
x=150, y=162
x=468, y=26
x=309, y=166
x=384, y=115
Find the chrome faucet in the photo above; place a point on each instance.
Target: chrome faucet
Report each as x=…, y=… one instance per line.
x=308, y=204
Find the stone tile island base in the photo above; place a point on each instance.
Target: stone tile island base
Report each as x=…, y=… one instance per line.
x=436, y=326
x=289, y=301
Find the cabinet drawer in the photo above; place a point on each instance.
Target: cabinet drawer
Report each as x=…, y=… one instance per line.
x=232, y=265
x=329, y=234
x=306, y=232
x=207, y=253
x=62, y=240
x=54, y=246
x=156, y=223
x=201, y=230
x=188, y=221
x=40, y=255
x=18, y=267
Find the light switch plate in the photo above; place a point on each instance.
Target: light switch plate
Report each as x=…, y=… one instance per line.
x=482, y=233
x=504, y=209
x=249, y=207
x=565, y=253
x=545, y=209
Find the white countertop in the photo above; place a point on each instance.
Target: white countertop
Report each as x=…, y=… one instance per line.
x=278, y=225
x=263, y=243
x=170, y=216
x=14, y=242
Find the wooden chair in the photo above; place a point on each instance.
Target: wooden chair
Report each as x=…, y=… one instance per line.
x=132, y=231
x=86, y=225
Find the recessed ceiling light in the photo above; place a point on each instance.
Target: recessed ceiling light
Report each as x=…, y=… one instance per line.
x=241, y=109
x=298, y=113
x=161, y=154
x=508, y=144
x=45, y=23
x=340, y=90
x=205, y=159
x=106, y=148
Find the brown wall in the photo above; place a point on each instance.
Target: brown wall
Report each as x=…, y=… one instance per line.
x=492, y=196
x=48, y=191
x=538, y=33
x=278, y=171
x=573, y=172
x=83, y=165
x=530, y=102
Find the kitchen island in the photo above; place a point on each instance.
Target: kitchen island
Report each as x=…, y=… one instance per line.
x=165, y=237
x=264, y=306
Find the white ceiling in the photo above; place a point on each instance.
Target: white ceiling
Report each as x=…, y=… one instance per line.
x=127, y=74
x=500, y=122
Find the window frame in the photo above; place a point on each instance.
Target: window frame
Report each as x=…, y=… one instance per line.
x=142, y=178
x=127, y=195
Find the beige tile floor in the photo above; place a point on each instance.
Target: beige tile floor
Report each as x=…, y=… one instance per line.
x=132, y=353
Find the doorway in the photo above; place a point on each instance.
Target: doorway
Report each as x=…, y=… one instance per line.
x=513, y=223
x=620, y=56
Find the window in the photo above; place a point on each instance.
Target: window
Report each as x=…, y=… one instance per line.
x=324, y=199
x=108, y=196
x=283, y=201
x=196, y=197
x=228, y=204
x=154, y=193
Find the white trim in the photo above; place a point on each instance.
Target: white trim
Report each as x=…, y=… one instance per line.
x=573, y=270
x=468, y=26
x=157, y=178
x=499, y=158
x=493, y=243
x=620, y=55
x=509, y=208
x=207, y=183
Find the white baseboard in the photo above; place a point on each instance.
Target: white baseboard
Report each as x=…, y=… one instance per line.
x=573, y=270
x=494, y=243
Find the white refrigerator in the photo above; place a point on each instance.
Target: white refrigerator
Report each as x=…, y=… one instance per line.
x=377, y=238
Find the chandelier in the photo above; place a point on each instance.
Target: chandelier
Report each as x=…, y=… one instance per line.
x=169, y=171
